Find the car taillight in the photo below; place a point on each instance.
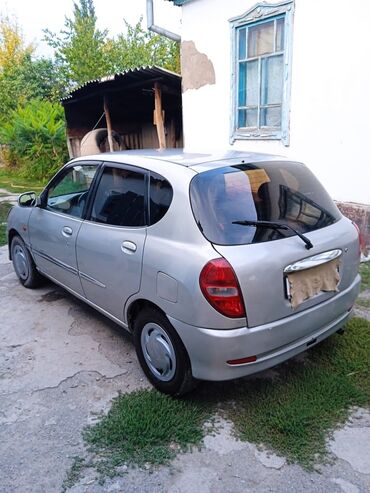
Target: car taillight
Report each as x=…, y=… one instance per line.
x=360, y=238
x=221, y=289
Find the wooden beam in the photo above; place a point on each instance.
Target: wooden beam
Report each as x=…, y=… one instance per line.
x=109, y=124
x=159, y=116
x=146, y=84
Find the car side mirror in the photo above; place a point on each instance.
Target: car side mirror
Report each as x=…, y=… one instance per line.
x=28, y=199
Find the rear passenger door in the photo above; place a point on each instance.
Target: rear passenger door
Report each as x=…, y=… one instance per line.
x=111, y=241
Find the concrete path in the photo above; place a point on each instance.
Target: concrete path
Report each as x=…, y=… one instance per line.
x=61, y=362
x=6, y=196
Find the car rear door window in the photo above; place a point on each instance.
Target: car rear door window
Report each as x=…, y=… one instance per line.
x=120, y=198
x=160, y=197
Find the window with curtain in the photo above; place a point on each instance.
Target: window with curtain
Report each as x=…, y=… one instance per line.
x=261, y=78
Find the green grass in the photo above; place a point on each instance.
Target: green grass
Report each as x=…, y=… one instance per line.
x=74, y=474
x=146, y=427
x=294, y=413
x=365, y=275
x=363, y=302
x=291, y=414
x=13, y=182
x=4, y=209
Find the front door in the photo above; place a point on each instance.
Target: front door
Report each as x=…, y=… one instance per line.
x=110, y=243
x=54, y=226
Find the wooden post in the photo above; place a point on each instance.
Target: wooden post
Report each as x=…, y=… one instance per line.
x=109, y=123
x=70, y=148
x=173, y=133
x=159, y=116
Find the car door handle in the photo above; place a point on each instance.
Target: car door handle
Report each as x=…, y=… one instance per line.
x=66, y=231
x=128, y=247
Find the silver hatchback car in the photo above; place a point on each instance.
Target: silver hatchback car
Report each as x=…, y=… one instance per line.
x=219, y=265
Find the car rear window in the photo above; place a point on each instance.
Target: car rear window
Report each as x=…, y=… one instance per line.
x=283, y=192
x=160, y=197
x=120, y=198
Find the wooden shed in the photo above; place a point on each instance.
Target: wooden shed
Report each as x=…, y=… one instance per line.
x=136, y=109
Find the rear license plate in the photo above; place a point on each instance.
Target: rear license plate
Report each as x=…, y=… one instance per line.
x=305, y=284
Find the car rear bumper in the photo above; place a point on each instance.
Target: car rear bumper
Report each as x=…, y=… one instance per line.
x=210, y=349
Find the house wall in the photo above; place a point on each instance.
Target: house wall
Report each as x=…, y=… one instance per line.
x=330, y=101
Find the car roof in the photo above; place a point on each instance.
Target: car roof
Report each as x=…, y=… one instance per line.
x=180, y=157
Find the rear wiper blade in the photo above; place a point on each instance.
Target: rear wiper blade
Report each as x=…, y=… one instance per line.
x=272, y=225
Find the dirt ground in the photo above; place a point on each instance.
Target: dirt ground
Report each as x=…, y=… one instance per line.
x=61, y=363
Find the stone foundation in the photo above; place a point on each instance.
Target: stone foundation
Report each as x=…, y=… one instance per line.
x=360, y=214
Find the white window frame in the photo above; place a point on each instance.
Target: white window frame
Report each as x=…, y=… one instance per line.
x=262, y=12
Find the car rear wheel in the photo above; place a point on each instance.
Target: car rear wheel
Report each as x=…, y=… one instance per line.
x=162, y=354
x=23, y=264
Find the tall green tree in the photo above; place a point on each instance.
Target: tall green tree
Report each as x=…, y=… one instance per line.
x=13, y=49
x=22, y=76
x=27, y=80
x=80, y=46
x=41, y=78
x=138, y=47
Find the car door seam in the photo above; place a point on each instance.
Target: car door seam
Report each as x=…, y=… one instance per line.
x=56, y=262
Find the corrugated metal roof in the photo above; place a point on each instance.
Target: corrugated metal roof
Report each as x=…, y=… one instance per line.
x=126, y=78
x=179, y=2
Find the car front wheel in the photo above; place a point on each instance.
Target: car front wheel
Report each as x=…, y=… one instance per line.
x=23, y=264
x=162, y=354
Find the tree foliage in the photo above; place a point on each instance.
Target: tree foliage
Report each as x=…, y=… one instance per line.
x=35, y=139
x=85, y=53
x=42, y=80
x=80, y=46
x=13, y=49
x=138, y=47
x=28, y=80
x=21, y=76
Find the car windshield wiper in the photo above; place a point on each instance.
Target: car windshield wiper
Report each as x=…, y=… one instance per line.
x=272, y=225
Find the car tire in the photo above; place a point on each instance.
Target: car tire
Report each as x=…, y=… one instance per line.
x=23, y=264
x=162, y=354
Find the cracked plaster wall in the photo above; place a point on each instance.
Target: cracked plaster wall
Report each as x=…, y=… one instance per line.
x=196, y=68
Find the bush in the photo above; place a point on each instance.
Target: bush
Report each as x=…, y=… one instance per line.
x=34, y=139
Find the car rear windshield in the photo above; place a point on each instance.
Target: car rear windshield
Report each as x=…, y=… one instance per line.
x=281, y=192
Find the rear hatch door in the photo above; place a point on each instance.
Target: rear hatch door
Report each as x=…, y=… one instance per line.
x=263, y=276
x=277, y=274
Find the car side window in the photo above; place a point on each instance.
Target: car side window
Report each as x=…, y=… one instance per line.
x=160, y=197
x=120, y=198
x=69, y=194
